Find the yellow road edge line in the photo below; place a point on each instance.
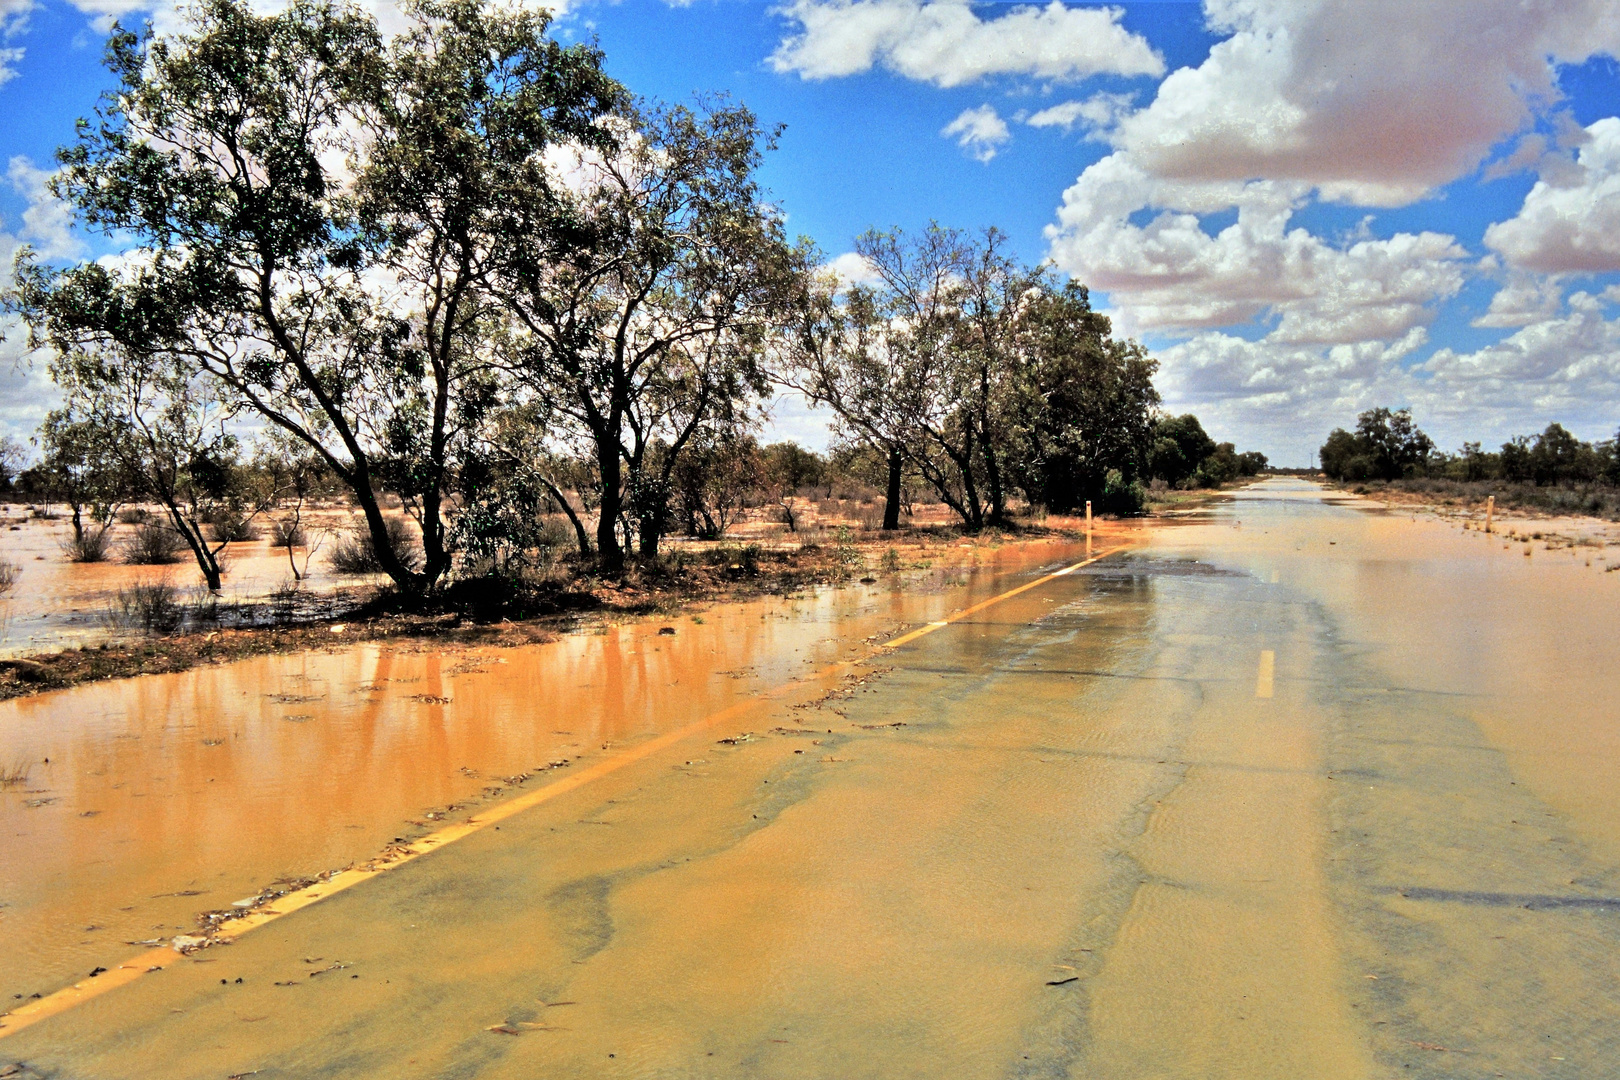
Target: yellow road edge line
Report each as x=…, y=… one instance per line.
x=929, y=628
x=61, y=1001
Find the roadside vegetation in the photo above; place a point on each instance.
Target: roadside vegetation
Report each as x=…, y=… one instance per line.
x=1550, y=473
x=459, y=312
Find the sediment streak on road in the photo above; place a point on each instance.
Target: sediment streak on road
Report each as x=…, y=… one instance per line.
x=158, y=958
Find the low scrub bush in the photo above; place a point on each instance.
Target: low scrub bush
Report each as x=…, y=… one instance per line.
x=152, y=544
x=231, y=527
x=89, y=546
x=355, y=552
x=132, y=515
x=9, y=572
x=288, y=533
x=148, y=606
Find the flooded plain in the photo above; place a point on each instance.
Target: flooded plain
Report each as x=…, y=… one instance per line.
x=1291, y=789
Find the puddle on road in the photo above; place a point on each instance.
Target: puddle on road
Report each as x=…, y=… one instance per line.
x=149, y=800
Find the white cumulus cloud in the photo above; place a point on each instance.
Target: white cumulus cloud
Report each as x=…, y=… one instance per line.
x=1096, y=114
x=47, y=223
x=947, y=43
x=1376, y=102
x=981, y=132
x=1571, y=224
x=852, y=268
x=1170, y=274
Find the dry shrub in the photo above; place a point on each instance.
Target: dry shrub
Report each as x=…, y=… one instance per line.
x=89, y=546
x=148, y=606
x=288, y=532
x=355, y=552
x=9, y=572
x=229, y=526
x=152, y=544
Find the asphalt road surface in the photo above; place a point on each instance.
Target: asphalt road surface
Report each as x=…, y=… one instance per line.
x=1294, y=789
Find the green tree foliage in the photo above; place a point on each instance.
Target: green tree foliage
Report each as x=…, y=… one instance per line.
x=1085, y=409
x=329, y=283
x=164, y=431
x=82, y=469
x=982, y=375
x=1179, y=447
x=1387, y=445
x=643, y=324
x=13, y=460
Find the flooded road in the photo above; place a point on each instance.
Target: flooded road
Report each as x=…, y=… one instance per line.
x=1292, y=790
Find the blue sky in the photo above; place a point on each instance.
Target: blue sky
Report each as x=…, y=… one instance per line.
x=1304, y=208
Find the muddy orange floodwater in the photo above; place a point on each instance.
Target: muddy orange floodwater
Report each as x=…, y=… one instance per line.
x=1293, y=788
x=149, y=800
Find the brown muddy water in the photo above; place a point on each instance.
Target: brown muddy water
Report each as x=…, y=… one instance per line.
x=1294, y=789
x=145, y=801
x=56, y=603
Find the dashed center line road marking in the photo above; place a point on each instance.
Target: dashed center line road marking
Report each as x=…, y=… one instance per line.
x=398, y=855
x=1268, y=670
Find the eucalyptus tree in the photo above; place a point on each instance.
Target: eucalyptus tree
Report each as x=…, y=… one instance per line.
x=1085, y=408
x=167, y=430
x=82, y=470
x=896, y=361
x=988, y=367
x=645, y=317
x=876, y=353
x=315, y=213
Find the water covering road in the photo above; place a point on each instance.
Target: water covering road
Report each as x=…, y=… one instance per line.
x=1294, y=790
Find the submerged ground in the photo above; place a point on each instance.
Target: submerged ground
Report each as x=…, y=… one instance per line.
x=1292, y=790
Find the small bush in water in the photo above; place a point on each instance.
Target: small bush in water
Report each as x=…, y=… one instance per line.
x=287, y=533
x=149, y=606
x=152, y=544
x=355, y=552
x=89, y=546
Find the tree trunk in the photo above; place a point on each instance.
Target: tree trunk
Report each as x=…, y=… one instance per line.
x=987, y=447
x=611, y=504
x=651, y=534
x=891, y=507
x=413, y=584
x=581, y=537
x=206, y=561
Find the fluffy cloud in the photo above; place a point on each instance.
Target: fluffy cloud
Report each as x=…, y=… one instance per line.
x=1563, y=366
x=13, y=21
x=1097, y=113
x=1374, y=103
x=1570, y=224
x=981, y=132
x=1558, y=366
x=852, y=268
x=47, y=223
x=945, y=42
x=1523, y=299
x=1189, y=225
x=1170, y=274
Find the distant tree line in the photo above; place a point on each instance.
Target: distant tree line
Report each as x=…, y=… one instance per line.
x=1388, y=445
x=464, y=268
